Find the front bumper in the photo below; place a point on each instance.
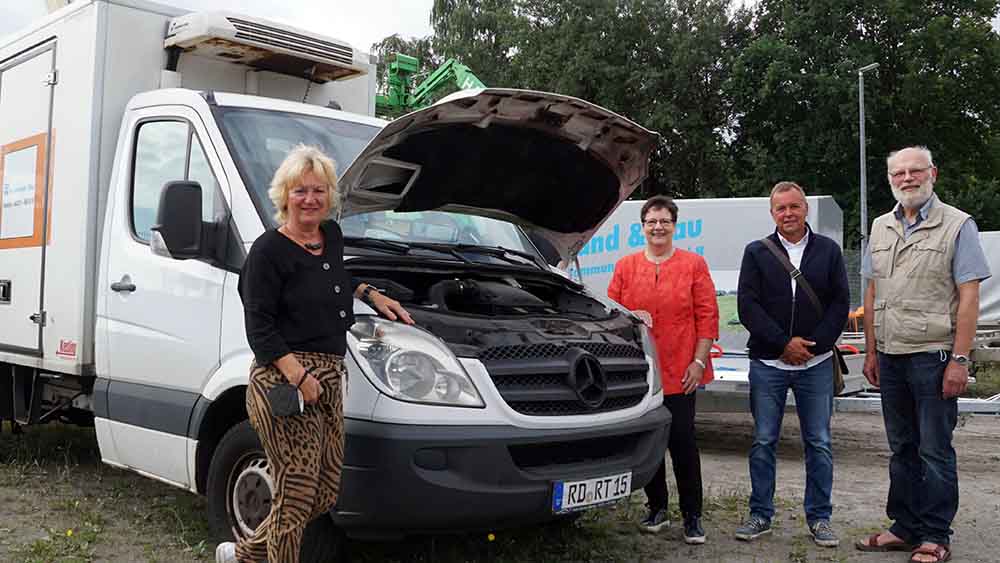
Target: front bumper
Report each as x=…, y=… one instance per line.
x=404, y=479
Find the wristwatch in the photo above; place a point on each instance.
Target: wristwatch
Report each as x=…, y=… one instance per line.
x=960, y=359
x=366, y=293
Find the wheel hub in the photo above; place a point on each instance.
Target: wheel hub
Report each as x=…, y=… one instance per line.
x=251, y=495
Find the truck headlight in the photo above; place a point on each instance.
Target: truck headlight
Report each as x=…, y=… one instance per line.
x=410, y=364
x=649, y=346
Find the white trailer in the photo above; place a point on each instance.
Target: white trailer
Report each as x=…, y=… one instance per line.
x=138, y=143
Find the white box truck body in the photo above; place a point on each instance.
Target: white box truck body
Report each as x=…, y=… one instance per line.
x=138, y=143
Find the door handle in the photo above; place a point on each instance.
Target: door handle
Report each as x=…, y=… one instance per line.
x=124, y=285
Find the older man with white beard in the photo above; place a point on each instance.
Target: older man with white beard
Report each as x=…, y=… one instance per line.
x=924, y=263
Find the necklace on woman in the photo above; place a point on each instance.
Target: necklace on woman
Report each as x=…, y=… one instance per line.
x=310, y=246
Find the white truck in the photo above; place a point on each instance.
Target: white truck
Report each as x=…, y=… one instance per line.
x=138, y=142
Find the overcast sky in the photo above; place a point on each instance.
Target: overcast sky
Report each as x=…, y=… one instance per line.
x=359, y=22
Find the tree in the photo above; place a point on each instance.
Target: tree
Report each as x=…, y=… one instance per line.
x=481, y=34
x=657, y=62
x=745, y=97
x=793, y=87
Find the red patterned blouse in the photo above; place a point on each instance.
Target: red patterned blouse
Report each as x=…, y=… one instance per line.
x=680, y=296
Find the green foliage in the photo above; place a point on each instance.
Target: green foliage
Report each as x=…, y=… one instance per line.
x=745, y=94
x=795, y=90
x=482, y=34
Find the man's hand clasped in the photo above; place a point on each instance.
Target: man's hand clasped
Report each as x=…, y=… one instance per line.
x=797, y=351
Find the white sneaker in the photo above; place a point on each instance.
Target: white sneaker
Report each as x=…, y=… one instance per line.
x=226, y=553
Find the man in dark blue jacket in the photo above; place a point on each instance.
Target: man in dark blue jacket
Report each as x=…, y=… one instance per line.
x=791, y=346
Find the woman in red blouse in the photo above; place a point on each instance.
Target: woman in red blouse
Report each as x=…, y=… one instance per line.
x=672, y=291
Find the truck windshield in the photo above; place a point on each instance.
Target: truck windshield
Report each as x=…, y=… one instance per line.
x=480, y=239
x=259, y=140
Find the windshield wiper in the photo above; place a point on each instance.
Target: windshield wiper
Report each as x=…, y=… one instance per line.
x=380, y=244
x=499, y=252
x=401, y=247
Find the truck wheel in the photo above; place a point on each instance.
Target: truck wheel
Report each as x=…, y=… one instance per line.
x=239, y=487
x=239, y=494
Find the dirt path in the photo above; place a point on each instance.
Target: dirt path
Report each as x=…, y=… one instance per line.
x=59, y=503
x=861, y=483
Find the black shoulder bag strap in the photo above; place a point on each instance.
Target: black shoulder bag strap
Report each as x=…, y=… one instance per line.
x=800, y=281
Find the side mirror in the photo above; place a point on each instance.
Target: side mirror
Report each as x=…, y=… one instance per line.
x=177, y=232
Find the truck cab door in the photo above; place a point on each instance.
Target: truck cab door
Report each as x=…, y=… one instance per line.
x=162, y=315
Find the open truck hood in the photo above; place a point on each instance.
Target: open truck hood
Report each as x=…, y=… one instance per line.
x=556, y=165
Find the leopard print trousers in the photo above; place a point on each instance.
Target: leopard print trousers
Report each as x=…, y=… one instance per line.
x=305, y=454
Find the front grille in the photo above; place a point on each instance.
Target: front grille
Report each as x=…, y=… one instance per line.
x=549, y=380
x=571, y=407
x=547, y=350
x=528, y=456
x=527, y=380
x=291, y=41
x=534, y=379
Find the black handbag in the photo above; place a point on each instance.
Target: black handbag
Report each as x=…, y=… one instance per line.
x=286, y=399
x=839, y=365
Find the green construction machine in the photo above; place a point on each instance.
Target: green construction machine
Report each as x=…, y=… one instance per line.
x=402, y=97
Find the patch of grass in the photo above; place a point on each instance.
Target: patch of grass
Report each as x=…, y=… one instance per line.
x=70, y=545
x=184, y=514
x=799, y=553
x=596, y=535
x=50, y=445
x=730, y=504
x=729, y=319
x=97, y=505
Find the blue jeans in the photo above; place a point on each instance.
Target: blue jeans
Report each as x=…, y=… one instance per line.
x=919, y=421
x=813, y=390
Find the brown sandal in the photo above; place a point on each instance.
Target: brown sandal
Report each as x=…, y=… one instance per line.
x=941, y=553
x=871, y=544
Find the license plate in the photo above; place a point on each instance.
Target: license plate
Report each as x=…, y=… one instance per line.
x=570, y=496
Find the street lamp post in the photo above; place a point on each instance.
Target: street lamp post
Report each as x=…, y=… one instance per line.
x=864, y=185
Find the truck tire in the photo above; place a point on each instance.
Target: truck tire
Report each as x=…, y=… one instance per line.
x=239, y=493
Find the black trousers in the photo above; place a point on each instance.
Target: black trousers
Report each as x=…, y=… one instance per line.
x=684, y=457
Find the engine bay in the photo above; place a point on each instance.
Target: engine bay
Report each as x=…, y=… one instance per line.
x=475, y=310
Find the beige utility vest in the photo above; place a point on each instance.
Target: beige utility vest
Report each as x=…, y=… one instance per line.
x=916, y=299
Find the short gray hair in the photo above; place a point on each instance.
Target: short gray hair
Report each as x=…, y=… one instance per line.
x=926, y=152
x=786, y=186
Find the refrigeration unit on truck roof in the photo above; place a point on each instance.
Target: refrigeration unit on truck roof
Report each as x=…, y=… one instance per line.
x=264, y=45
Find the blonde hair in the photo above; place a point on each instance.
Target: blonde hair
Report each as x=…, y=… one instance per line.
x=301, y=160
